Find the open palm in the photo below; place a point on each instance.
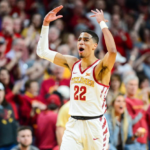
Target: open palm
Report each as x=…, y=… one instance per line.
x=51, y=16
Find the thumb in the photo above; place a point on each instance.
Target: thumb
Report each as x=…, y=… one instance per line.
x=106, y=21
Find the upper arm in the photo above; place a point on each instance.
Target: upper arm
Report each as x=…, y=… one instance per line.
x=104, y=67
x=65, y=60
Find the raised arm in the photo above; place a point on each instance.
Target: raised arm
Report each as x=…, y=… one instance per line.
x=43, y=46
x=103, y=69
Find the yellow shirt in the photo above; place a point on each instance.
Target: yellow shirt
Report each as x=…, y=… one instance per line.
x=63, y=115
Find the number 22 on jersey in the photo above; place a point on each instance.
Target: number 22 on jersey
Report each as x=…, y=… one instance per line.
x=79, y=93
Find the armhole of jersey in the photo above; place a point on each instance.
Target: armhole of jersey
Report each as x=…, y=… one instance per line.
x=96, y=80
x=73, y=67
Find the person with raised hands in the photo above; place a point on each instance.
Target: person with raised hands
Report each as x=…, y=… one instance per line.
x=87, y=127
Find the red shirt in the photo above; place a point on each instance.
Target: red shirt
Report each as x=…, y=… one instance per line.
x=48, y=86
x=148, y=121
x=10, y=98
x=46, y=130
x=121, y=45
x=9, y=40
x=134, y=106
x=26, y=107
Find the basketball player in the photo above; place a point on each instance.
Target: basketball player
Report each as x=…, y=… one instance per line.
x=87, y=127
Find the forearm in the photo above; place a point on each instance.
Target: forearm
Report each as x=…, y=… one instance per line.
x=11, y=64
x=59, y=134
x=109, y=40
x=42, y=47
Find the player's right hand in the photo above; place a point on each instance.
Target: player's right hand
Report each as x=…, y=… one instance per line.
x=51, y=16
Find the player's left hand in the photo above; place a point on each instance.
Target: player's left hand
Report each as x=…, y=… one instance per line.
x=98, y=15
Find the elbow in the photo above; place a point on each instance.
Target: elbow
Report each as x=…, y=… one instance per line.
x=113, y=50
x=38, y=51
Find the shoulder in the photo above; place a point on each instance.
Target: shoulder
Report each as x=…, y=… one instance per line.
x=33, y=148
x=15, y=148
x=64, y=108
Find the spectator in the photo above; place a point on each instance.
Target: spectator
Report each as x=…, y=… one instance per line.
x=79, y=16
x=54, y=39
x=19, y=55
x=143, y=64
x=51, y=84
x=100, y=5
x=8, y=124
x=24, y=138
x=7, y=32
x=136, y=106
x=4, y=10
x=115, y=84
x=46, y=124
x=31, y=104
x=120, y=126
x=33, y=30
x=122, y=38
x=17, y=26
x=63, y=117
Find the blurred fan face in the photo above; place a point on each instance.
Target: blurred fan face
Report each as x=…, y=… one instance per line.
x=115, y=83
x=24, y=138
x=53, y=34
x=120, y=105
x=37, y=20
x=4, y=8
x=145, y=84
x=4, y=77
x=7, y=25
x=131, y=87
x=17, y=25
x=116, y=21
x=34, y=88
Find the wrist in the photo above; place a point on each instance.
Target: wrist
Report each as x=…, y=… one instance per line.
x=103, y=25
x=45, y=23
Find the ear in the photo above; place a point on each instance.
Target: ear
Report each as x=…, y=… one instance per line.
x=95, y=46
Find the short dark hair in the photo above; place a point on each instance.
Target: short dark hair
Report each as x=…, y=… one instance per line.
x=28, y=83
x=21, y=128
x=93, y=34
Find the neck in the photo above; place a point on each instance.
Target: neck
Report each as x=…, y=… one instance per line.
x=115, y=91
x=118, y=116
x=130, y=96
x=86, y=62
x=23, y=148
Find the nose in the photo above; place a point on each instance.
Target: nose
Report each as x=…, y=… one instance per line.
x=81, y=42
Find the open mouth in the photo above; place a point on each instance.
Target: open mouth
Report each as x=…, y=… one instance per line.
x=81, y=49
x=121, y=107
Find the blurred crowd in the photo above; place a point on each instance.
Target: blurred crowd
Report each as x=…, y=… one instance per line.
x=34, y=93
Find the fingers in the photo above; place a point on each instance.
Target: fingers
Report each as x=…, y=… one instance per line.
x=98, y=11
x=93, y=15
x=60, y=16
x=57, y=9
x=93, y=11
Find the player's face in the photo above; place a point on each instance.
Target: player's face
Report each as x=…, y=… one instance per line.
x=85, y=45
x=120, y=105
x=25, y=138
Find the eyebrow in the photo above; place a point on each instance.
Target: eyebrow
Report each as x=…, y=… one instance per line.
x=85, y=37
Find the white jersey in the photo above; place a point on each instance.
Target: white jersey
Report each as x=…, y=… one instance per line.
x=87, y=96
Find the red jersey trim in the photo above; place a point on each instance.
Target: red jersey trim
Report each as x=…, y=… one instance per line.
x=73, y=67
x=97, y=81
x=87, y=67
